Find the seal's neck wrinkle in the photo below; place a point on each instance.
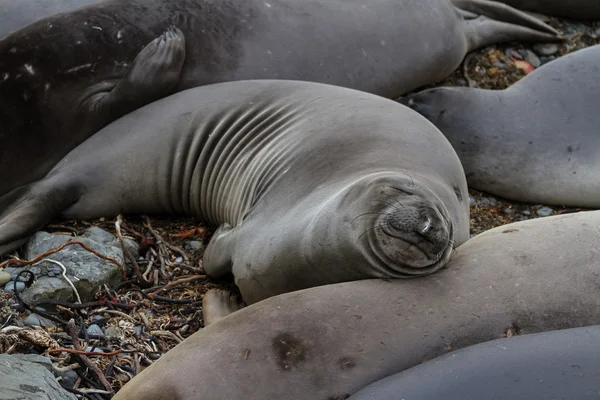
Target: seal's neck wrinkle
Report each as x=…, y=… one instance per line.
x=234, y=157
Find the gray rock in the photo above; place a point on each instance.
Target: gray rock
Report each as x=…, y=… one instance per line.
x=526, y=212
x=11, y=285
x=87, y=271
x=68, y=378
x=545, y=49
x=544, y=211
x=196, y=245
x=95, y=330
x=4, y=277
x=113, y=333
x=532, y=58
x=29, y=378
x=38, y=320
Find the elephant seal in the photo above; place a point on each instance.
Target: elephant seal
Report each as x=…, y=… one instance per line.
x=331, y=341
x=66, y=76
x=19, y=13
x=563, y=364
x=536, y=141
x=586, y=10
x=309, y=183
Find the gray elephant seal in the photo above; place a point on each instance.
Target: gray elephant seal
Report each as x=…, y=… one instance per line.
x=536, y=141
x=331, y=341
x=309, y=183
x=66, y=76
x=575, y=9
x=19, y=13
x=561, y=364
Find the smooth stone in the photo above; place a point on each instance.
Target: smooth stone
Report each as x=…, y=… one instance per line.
x=10, y=286
x=29, y=377
x=38, y=320
x=544, y=212
x=4, y=277
x=95, y=330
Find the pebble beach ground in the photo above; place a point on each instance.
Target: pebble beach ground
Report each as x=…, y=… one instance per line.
x=153, y=327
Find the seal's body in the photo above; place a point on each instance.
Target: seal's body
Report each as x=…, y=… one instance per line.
x=575, y=9
x=331, y=341
x=561, y=364
x=19, y=13
x=536, y=141
x=309, y=183
x=66, y=76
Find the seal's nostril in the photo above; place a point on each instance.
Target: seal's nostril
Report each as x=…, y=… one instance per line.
x=424, y=227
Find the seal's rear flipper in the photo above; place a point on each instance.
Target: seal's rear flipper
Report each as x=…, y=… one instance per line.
x=217, y=259
x=29, y=208
x=498, y=22
x=153, y=75
x=217, y=304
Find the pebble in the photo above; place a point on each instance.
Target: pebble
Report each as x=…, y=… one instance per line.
x=545, y=49
x=95, y=330
x=196, y=245
x=10, y=286
x=112, y=332
x=544, y=212
x=531, y=57
x=526, y=212
x=4, y=277
x=36, y=320
x=179, y=260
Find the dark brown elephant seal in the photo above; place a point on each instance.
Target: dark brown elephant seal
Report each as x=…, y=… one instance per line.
x=575, y=9
x=19, y=13
x=536, y=141
x=309, y=183
x=66, y=76
x=331, y=341
x=562, y=364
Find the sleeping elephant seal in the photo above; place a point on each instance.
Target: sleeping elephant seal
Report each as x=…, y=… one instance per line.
x=536, y=141
x=563, y=364
x=19, y=13
x=310, y=183
x=575, y=9
x=66, y=76
x=331, y=341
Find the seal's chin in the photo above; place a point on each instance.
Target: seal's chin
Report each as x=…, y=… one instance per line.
x=413, y=239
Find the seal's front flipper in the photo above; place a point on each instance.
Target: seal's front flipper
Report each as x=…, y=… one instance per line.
x=153, y=75
x=218, y=303
x=217, y=258
x=29, y=208
x=498, y=22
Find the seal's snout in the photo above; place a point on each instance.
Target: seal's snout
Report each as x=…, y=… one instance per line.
x=413, y=234
x=423, y=227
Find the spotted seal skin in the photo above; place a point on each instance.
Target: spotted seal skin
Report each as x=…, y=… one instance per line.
x=309, y=183
x=19, y=13
x=329, y=342
x=536, y=141
x=66, y=76
x=586, y=10
x=561, y=364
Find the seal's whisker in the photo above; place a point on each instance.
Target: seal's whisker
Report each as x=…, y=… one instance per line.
x=396, y=200
x=389, y=205
x=368, y=213
x=368, y=230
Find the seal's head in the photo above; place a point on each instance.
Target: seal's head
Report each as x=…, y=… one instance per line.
x=400, y=225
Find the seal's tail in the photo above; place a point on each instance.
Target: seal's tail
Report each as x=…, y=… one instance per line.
x=29, y=208
x=491, y=22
